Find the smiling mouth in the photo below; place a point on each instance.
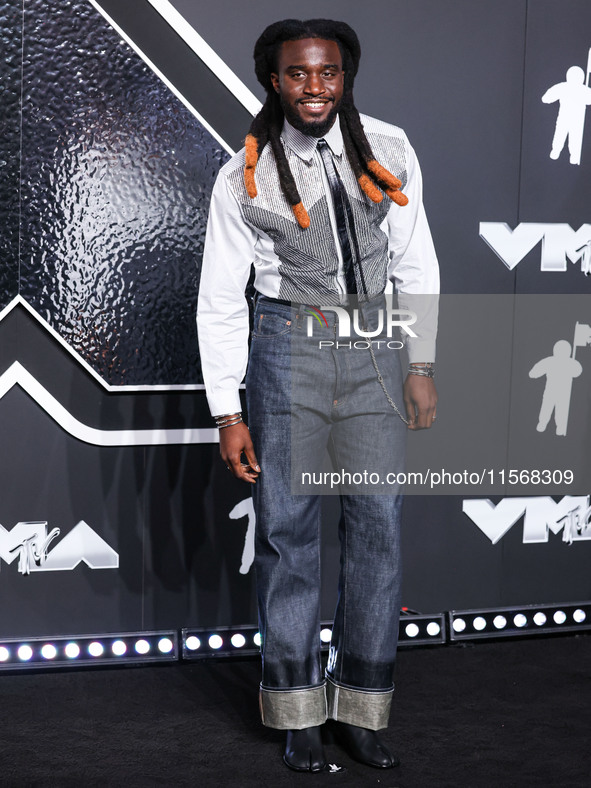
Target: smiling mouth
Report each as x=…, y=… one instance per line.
x=318, y=104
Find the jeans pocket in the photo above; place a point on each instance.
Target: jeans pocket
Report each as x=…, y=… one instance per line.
x=270, y=324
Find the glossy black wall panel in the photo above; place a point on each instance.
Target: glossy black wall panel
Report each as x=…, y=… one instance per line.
x=10, y=122
x=194, y=80
x=116, y=178
x=114, y=191
x=24, y=338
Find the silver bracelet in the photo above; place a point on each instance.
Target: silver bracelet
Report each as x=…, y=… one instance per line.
x=230, y=423
x=423, y=369
x=228, y=420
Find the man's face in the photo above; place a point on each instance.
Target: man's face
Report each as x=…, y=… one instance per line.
x=309, y=81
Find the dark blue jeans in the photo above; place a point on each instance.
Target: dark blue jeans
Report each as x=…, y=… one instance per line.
x=337, y=398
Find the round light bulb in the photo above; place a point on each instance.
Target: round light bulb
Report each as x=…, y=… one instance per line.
x=142, y=646
x=165, y=645
x=72, y=650
x=25, y=653
x=119, y=648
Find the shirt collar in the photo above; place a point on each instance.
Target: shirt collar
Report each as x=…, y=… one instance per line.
x=304, y=146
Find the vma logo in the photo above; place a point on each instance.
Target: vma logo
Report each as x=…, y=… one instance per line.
x=30, y=543
x=560, y=243
x=571, y=515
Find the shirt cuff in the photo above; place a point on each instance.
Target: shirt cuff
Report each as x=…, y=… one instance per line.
x=420, y=350
x=224, y=402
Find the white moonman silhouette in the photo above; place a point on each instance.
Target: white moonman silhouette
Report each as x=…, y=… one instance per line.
x=574, y=97
x=560, y=370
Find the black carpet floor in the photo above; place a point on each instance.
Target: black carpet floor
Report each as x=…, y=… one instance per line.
x=514, y=713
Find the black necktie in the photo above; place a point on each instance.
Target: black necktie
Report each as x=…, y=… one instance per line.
x=343, y=214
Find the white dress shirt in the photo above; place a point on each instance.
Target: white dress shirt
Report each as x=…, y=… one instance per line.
x=233, y=244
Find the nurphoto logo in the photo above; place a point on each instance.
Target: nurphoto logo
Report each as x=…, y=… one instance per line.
x=389, y=321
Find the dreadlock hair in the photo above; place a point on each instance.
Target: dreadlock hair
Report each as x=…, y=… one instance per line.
x=267, y=125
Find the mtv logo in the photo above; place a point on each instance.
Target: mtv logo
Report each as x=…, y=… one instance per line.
x=30, y=542
x=560, y=243
x=572, y=515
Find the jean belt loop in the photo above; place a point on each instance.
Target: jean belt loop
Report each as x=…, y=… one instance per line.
x=364, y=318
x=301, y=315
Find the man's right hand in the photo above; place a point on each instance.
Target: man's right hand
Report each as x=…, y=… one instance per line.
x=234, y=442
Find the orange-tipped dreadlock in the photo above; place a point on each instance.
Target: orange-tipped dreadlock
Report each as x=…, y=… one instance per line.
x=301, y=214
x=389, y=183
x=373, y=178
x=383, y=175
x=252, y=156
x=369, y=187
x=397, y=196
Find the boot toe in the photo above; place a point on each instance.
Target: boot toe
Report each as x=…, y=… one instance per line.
x=364, y=745
x=304, y=751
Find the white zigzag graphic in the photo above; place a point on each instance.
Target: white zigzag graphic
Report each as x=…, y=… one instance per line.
x=17, y=375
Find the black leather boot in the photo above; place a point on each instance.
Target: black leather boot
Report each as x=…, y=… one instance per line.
x=304, y=751
x=362, y=745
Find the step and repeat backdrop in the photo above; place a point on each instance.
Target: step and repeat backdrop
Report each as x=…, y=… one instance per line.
x=115, y=510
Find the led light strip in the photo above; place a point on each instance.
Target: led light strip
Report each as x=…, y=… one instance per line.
x=163, y=645
x=220, y=642
x=127, y=647
x=200, y=643
x=422, y=630
x=519, y=621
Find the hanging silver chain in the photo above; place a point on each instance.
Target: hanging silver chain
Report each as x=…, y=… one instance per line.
x=383, y=385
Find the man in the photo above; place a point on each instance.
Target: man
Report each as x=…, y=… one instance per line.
x=314, y=202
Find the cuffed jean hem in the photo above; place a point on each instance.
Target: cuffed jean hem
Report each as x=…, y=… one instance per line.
x=293, y=709
x=365, y=708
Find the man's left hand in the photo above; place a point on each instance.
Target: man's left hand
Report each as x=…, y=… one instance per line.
x=420, y=399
